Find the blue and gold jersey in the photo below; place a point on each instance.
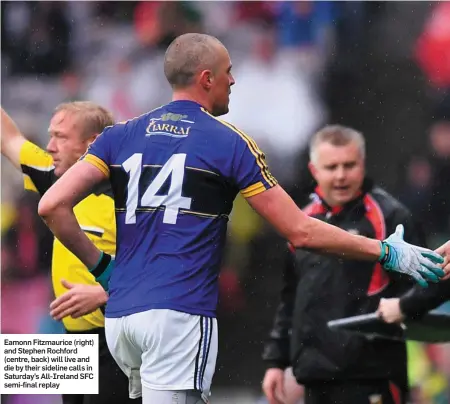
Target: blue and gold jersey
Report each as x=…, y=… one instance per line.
x=175, y=172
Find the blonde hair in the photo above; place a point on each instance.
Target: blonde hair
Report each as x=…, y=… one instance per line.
x=94, y=117
x=337, y=135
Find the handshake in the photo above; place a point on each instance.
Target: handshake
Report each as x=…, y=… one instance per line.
x=415, y=303
x=420, y=263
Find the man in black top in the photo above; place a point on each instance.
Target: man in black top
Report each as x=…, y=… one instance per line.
x=337, y=367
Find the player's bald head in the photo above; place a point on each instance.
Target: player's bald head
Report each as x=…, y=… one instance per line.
x=189, y=54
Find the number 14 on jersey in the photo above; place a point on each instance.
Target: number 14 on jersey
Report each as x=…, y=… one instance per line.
x=172, y=202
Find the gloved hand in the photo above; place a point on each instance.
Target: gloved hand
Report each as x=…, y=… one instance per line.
x=103, y=270
x=417, y=262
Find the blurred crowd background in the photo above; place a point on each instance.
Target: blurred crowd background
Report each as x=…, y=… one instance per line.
x=380, y=67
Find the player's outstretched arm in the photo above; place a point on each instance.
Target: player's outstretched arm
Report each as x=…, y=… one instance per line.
x=302, y=231
x=12, y=139
x=56, y=209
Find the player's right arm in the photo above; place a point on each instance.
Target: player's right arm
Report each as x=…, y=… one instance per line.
x=12, y=140
x=252, y=177
x=303, y=231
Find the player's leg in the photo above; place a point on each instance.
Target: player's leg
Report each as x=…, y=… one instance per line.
x=113, y=382
x=179, y=350
x=126, y=355
x=170, y=397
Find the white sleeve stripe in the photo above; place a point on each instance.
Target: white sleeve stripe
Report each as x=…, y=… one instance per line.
x=92, y=228
x=52, y=167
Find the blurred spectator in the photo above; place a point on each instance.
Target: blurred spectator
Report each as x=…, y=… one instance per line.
x=71, y=83
x=302, y=24
x=416, y=191
x=254, y=12
x=25, y=250
x=25, y=242
x=428, y=386
x=159, y=23
x=116, y=90
x=114, y=11
x=439, y=136
x=36, y=37
x=433, y=46
x=274, y=103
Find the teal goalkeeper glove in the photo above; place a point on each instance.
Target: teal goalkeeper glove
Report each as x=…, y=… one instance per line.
x=102, y=271
x=417, y=262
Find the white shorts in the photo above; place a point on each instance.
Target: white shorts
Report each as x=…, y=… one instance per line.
x=164, y=350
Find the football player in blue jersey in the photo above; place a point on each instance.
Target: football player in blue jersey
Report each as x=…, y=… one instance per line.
x=175, y=172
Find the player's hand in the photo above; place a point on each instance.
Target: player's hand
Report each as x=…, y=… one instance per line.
x=389, y=310
x=78, y=301
x=273, y=386
x=418, y=262
x=444, y=250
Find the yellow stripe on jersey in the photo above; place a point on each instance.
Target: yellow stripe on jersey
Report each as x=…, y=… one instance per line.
x=252, y=190
x=254, y=149
x=97, y=162
x=181, y=211
x=28, y=184
x=33, y=156
x=260, y=157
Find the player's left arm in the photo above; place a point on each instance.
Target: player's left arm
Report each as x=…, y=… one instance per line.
x=56, y=209
x=99, y=224
x=56, y=206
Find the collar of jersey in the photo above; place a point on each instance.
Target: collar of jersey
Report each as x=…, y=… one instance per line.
x=184, y=104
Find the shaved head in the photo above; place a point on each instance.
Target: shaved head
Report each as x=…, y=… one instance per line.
x=189, y=54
